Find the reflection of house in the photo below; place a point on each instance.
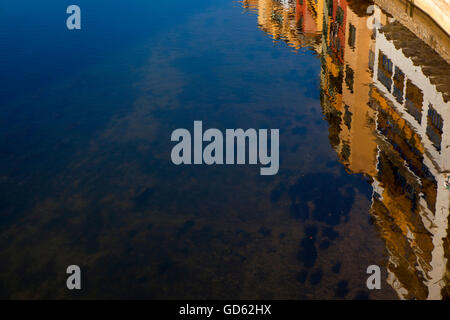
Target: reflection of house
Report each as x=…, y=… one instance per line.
x=345, y=86
x=387, y=106
x=412, y=92
x=278, y=20
x=414, y=127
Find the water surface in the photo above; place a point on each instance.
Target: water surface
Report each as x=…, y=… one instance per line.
x=86, y=176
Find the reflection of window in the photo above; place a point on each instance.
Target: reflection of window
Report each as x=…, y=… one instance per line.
x=349, y=78
x=311, y=8
x=348, y=117
x=387, y=63
x=300, y=25
x=345, y=152
x=371, y=59
x=435, y=125
x=429, y=189
x=390, y=174
x=385, y=67
x=340, y=15
x=399, y=82
x=277, y=17
x=414, y=101
x=330, y=7
x=335, y=83
x=333, y=117
x=399, y=75
x=352, y=36
x=403, y=186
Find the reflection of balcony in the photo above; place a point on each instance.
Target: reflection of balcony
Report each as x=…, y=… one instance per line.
x=435, y=125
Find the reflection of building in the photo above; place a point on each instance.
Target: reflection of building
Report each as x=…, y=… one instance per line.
x=332, y=74
x=346, y=75
x=385, y=93
x=387, y=106
x=413, y=125
x=358, y=116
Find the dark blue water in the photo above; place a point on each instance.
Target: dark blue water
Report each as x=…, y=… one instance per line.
x=86, y=176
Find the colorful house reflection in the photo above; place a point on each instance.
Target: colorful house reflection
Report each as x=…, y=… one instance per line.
x=385, y=91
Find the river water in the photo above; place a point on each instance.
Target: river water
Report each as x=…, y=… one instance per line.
x=360, y=94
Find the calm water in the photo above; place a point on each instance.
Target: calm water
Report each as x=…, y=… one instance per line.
x=86, y=176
